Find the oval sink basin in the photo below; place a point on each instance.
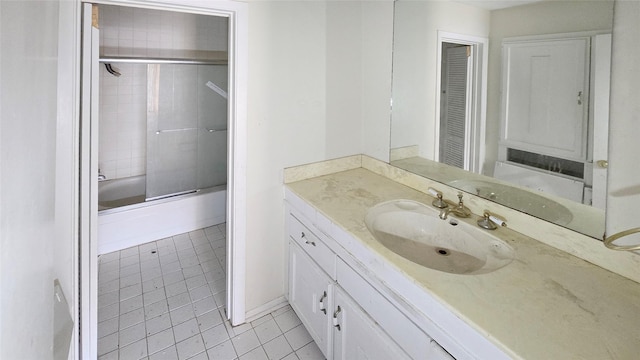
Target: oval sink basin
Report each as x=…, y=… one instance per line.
x=415, y=232
x=524, y=200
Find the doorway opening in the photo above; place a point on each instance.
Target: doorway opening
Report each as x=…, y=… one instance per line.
x=174, y=45
x=461, y=100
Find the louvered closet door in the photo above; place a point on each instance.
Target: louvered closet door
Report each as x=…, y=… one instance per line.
x=454, y=106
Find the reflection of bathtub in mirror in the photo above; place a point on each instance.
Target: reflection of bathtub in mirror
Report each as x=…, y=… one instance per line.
x=514, y=197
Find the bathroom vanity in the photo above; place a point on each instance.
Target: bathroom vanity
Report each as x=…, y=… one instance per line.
x=358, y=299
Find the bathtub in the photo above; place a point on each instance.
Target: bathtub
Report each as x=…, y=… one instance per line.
x=126, y=220
x=121, y=192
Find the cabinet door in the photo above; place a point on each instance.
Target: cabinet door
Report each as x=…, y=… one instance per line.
x=545, y=96
x=309, y=295
x=357, y=336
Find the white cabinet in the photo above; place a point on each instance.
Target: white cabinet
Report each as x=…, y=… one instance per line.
x=357, y=336
x=545, y=94
x=346, y=316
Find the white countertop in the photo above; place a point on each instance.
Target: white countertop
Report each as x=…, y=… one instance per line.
x=546, y=304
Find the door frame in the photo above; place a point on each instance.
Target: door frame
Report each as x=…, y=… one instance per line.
x=237, y=13
x=477, y=106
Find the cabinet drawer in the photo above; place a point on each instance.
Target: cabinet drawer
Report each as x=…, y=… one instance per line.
x=313, y=246
x=404, y=332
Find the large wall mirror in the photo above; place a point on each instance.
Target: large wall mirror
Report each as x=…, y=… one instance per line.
x=507, y=100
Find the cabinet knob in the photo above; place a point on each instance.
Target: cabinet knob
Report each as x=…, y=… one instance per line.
x=335, y=318
x=308, y=242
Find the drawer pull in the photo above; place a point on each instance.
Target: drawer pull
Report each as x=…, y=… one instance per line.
x=308, y=242
x=322, y=307
x=335, y=318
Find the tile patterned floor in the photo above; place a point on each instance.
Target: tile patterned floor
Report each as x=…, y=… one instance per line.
x=165, y=300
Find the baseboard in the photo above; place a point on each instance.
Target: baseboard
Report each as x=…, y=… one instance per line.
x=267, y=308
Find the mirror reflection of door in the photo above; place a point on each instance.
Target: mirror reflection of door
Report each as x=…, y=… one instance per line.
x=454, y=104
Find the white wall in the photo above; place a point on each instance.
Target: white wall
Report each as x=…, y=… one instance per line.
x=414, y=65
x=308, y=69
x=28, y=142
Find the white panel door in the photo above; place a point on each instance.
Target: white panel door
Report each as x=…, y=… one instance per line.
x=545, y=96
x=357, y=336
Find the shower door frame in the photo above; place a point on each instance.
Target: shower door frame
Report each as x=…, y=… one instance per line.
x=237, y=13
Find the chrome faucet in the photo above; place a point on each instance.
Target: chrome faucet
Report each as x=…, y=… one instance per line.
x=458, y=210
x=100, y=176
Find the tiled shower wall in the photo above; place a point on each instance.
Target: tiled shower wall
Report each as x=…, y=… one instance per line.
x=126, y=31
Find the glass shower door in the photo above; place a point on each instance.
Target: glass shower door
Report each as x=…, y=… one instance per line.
x=186, y=128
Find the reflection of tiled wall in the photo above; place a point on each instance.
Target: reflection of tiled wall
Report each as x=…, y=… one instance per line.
x=126, y=31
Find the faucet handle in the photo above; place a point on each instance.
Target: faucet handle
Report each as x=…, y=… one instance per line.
x=460, y=198
x=490, y=222
x=438, y=202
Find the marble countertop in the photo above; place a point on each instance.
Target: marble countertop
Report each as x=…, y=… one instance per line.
x=546, y=304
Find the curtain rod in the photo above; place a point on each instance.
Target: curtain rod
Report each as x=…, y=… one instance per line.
x=148, y=60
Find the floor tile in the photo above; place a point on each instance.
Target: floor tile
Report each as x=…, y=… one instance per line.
x=160, y=341
x=209, y=320
x=200, y=293
x=109, y=312
x=190, y=347
x=310, y=352
x=154, y=296
x=153, y=284
x=277, y=348
x=224, y=351
x=182, y=314
x=130, y=291
x=169, y=353
x=291, y=356
x=109, y=298
x=155, y=309
x=131, y=334
x=287, y=321
x=298, y=337
x=176, y=288
x=173, y=277
x=196, y=281
x=179, y=300
x=255, y=354
x=134, y=351
x=267, y=331
x=215, y=336
x=107, y=343
x=203, y=306
x=131, y=318
x=158, y=324
x=245, y=342
x=107, y=327
x=130, y=304
x=186, y=330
